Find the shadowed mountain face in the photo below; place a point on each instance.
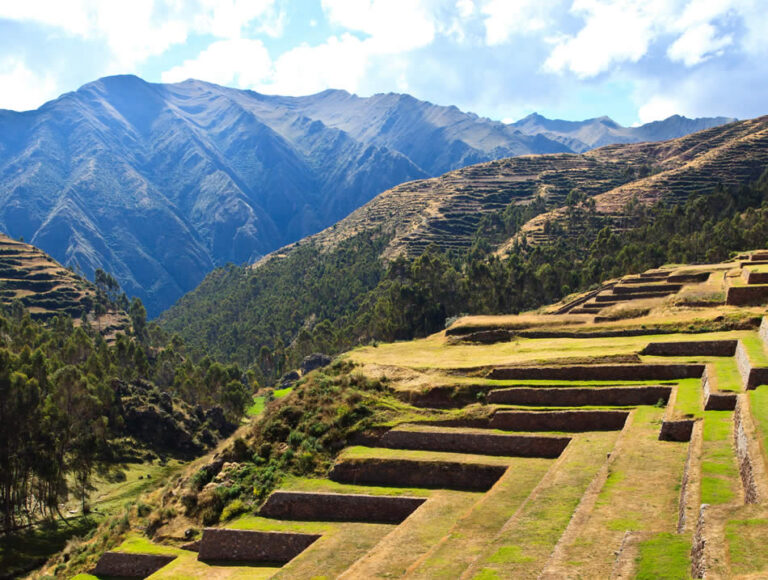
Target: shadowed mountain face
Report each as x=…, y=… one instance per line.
x=159, y=183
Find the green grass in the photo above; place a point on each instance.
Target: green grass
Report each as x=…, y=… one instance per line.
x=727, y=374
x=259, y=402
x=525, y=543
x=688, y=402
x=665, y=555
x=755, y=348
x=719, y=474
x=746, y=545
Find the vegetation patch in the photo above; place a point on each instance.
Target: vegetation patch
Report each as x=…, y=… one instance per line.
x=665, y=555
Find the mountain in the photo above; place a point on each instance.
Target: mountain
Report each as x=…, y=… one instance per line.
x=581, y=136
x=370, y=276
x=46, y=289
x=158, y=184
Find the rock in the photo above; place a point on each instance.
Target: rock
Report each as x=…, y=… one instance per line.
x=314, y=361
x=288, y=379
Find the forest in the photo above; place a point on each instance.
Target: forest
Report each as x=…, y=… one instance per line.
x=271, y=316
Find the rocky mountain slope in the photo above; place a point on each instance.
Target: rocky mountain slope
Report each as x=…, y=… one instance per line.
x=158, y=184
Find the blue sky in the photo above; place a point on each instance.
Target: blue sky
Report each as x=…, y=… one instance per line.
x=634, y=60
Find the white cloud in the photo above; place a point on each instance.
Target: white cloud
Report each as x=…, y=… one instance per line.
x=659, y=108
x=241, y=62
x=22, y=88
x=392, y=25
x=504, y=19
x=697, y=44
x=134, y=31
x=614, y=32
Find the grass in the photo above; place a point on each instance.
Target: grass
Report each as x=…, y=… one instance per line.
x=665, y=555
x=746, y=545
x=424, y=456
x=260, y=401
x=640, y=494
x=727, y=376
x=412, y=539
x=30, y=548
x=433, y=352
x=688, y=402
x=758, y=402
x=719, y=474
x=526, y=541
x=469, y=536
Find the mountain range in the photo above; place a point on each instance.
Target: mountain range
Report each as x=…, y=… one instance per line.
x=159, y=183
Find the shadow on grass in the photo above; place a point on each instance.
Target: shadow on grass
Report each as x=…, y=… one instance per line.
x=23, y=551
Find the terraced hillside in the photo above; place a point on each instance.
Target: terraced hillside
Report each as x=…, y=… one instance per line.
x=587, y=440
x=46, y=288
x=446, y=210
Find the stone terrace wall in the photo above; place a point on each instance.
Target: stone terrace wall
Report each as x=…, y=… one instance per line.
x=757, y=277
x=574, y=421
x=220, y=544
x=127, y=565
x=676, y=430
x=580, y=396
x=744, y=295
x=716, y=401
x=751, y=376
x=638, y=372
x=645, y=288
x=692, y=348
x=480, y=443
x=407, y=473
x=339, y=507
x=742, y=451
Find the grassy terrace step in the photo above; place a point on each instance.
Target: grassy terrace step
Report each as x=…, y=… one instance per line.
x=470, y=535
x=473, y=441
x=640, y=494
x=566, y=421
x=378, y=466
x=409, y=541
x=720, y=481
x=577, y=397
x=524, y=544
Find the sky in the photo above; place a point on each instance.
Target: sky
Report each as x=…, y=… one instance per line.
x=633, y=60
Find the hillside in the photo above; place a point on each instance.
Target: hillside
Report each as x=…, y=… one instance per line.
x=625, y=442
x=46, y=289
x=370, y=277
x=158, y=184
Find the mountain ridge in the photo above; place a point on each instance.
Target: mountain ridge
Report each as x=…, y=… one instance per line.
x=158, y=184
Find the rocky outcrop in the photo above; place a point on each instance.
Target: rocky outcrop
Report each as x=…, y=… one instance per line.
x=314, y=361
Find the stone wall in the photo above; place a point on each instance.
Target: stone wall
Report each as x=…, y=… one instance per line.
x=645, y=288
x=676, y=430
x=128, y=565
x=339, y=507
x=692, y=348
x=744, y=295
x=751, y=376
x=763, y=330
x=720, y=402
x=220, y=544
x=637, y=372
x=574, y=421
x=409, y=473
x=742, y=451
x=699, y=547
x=479, y=443
x=580, y=396
x=757, y=277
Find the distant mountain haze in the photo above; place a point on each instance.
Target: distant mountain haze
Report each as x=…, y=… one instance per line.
x=159, y=183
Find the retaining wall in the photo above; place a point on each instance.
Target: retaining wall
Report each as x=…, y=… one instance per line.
x=714, y=400
x=638, y=372
x=751, y=376
x=689, y=278
x=742, y=452
x=580, y=396
x=743, y=295
x=757, y=277
x=676, y=430
x=692, y=348
x=569, y=421
x=127, y=565
x=763, y=330
x=699, y=547
x=410, y=473
x=220, y=544
x=646, y=288
x=478, y=443
x=339, y=507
